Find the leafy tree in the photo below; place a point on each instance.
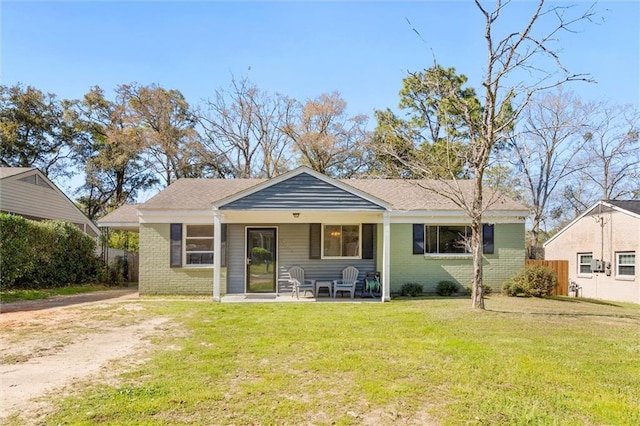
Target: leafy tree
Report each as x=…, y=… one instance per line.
x=242, y=129
x=33, y=131
x=124, y=240
x=327, y=139
x=111, y=147
x=432, y=132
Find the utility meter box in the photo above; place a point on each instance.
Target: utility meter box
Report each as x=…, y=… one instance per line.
x=597, y=265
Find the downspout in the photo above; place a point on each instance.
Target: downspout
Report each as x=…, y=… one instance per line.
x=217, y=254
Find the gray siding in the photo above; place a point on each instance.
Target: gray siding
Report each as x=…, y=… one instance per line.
x=37, y=200
x=236, y=259
x=293, y=249
x=302, y=192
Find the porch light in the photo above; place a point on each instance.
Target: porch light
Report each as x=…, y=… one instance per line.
x=296, y=215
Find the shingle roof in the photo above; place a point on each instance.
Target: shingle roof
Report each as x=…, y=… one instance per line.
x=123, y=214
x=12, y=171
x=403, y=195
x=408, y=195
x=196, y=194
x=629, y=205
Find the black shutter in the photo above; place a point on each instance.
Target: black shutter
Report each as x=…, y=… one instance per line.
x=418, y=238
x=487, y=238
x=176, y=245
x=223, y=241
x=367, y=240
x=314, y=241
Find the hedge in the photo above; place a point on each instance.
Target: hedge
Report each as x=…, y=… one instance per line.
x=44, y=254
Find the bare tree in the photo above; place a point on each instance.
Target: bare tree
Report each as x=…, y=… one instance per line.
x=612, y=154
x=521, y=60
x=545, y=152
x=243, y=131
x=168, y=126
x=327, y=139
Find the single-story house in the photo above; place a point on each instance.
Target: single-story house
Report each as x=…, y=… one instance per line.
x=303, y=218
x=27, y=192
x=602, y=246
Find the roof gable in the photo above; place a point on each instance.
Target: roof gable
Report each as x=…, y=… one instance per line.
x=6, y=172
x=630, y=207
x=26, y=191
x=302, y=189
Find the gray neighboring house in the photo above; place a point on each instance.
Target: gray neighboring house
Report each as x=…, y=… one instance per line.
x=27, y=192
x=602, y=247
x=304, y=218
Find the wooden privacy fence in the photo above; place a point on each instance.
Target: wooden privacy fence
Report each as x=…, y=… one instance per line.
x=133, y=261
x=562, y=271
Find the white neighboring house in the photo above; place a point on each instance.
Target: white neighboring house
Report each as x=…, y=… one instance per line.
x=602, y=247
x=27, y=192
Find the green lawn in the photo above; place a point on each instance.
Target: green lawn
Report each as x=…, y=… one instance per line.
x=429, y=361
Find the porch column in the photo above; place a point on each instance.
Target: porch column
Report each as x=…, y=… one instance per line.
x=217, y=255
x=386, y=257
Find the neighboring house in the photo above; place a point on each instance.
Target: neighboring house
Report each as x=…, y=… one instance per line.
x=304, y=218
x=602, y=248
x=29, y=193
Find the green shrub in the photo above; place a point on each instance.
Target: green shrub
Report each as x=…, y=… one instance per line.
x=411, y=289
x=446, y=288
x=513, y=289
x=44, y=254
x=488, y=290
x=533, y=280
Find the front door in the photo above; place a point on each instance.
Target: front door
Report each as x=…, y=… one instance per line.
x=261, y=260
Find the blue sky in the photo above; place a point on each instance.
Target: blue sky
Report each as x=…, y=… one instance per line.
x=297, y=48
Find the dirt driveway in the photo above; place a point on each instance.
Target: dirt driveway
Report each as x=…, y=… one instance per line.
x=46, y=346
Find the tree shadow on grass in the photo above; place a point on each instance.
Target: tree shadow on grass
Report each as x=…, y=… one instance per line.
x=578, y=301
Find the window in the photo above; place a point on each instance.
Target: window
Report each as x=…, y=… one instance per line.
x=198, y=245
x=192, y=245
x=449, y=239
x=584, y=263
x=626, y=264
x=341, y=241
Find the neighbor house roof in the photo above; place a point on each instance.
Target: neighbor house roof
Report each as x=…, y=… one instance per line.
x=27, y=192
x=12, y=171
x=630, y=207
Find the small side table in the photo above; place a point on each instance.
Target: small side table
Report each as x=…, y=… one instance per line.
x=324, y=284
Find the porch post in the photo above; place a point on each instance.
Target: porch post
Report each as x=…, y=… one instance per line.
x=217, y=255
x=386, y=257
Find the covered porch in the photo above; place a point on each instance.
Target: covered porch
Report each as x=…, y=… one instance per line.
x=299, y=219
x=256, y=257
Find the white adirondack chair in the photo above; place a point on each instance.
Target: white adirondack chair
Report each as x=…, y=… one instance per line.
x=348, y=281
x=300, y=283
